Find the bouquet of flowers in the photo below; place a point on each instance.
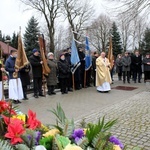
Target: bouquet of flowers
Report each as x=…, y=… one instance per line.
x=25, y=132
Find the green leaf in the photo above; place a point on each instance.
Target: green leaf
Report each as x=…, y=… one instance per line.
x=4, y=145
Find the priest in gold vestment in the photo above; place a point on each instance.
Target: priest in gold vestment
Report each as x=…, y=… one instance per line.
x=103, y=78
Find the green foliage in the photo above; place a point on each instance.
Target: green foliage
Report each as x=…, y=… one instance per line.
x=145, y=44
x=30, y=36
x=47, y=142
x=4, y=145
x=14, y=41
x=101, y=142
x=62, y=141
x=116, y=40
x=21, y=147
x=29, y=138
x=101, y=126
x=64, y=125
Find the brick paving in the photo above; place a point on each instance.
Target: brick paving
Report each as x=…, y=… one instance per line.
x=130, y=107
x=133, y=114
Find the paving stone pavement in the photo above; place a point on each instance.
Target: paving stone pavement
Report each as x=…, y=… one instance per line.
x=133, y=114
x=132, y=108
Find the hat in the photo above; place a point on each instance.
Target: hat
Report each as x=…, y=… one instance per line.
x=61, y=54
x=147, y=53
x=34, y=50
x=50, y=53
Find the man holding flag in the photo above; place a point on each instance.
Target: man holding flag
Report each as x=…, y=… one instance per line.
x=14, y=63
x=75, y=61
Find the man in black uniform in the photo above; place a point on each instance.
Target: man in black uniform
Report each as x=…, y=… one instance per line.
x=36, y=64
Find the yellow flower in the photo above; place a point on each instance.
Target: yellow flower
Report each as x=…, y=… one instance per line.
x=84, y=130
x=51, y=132
x=44, y=128
x=21, y=117
x=72, y=147
x=116, y=147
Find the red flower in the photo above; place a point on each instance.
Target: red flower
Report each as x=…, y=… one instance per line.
x=32, y=122
x=8, y=120
x=3, y=106
x=15, y=130
x=6, y=107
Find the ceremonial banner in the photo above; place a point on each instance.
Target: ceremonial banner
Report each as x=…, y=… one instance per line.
x=110, y=53
x=46, y=69
x=88, y=61
x=21, y=60
x=75, y=61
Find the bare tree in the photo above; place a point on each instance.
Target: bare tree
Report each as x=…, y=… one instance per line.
x=124, y=26
x=99, y=32
x=140, y=6
x=49, y=9
x=78, y=14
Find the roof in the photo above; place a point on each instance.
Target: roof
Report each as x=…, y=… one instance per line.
x=6, y=50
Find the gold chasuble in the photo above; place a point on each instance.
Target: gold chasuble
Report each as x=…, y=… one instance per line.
x=102, y=71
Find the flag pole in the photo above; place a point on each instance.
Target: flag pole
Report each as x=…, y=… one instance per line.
x=73, y=84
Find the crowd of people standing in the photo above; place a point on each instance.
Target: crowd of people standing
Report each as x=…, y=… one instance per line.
x=127, y=67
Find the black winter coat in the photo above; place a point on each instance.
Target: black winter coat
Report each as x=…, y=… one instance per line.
x=36, y=66
x=82, y=60
x=24, y=75
x=136, y=62
x=146, y=66
x=63, y=69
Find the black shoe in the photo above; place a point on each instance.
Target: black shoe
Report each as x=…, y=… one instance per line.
x=36, y=96
x=139, y=82
x=129, y=82
x=62, y=92
x=70, y=89
x=15, y=101
x=25, y=98
x=53, y=93
x=18, y=101
x=66, y=92
x=41, y=95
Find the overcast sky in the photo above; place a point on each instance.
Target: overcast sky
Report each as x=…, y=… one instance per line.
x=12, y=15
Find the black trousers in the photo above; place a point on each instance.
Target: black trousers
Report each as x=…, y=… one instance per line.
x=94, y=77
x=24, y=88
x=146, y=75
x=137, y=74
x=37, y=85
x=50, y=88
x=63, y=84
x=126, y=73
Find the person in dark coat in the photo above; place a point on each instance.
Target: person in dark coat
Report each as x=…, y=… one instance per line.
x=126, y=61
x=15, y=85
x=63, y=71
x=119, y=66
x=52, y=76
x=36, y=64
x=67, y=53
x=137, y=68
x=25, y=80
x=94, y=67
x=146, y=63
x=82, y=66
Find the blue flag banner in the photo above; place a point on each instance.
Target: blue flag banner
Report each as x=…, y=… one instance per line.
x=88, y=61
x=75, y=61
